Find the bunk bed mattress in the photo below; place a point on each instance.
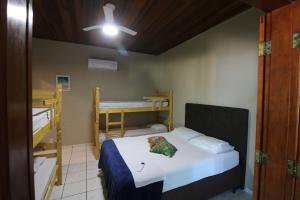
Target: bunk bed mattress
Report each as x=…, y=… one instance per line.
x=131, y=104
x=139, y=132
x=40, y=117
x=43, y=176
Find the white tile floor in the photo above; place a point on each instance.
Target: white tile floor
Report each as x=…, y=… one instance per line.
x=80, y=175
x=81, y=181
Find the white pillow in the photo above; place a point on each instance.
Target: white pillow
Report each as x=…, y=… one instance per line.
x=37, y=162
x=211, y=144
x=159, y=128
x=186, y=133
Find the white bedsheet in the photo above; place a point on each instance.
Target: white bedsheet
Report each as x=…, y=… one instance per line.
x=188, y=165
x=42, y=177
x=39, y=120
x=131, y=104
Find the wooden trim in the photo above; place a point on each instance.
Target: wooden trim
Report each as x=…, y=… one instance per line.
x=133, y=109
x=155, y=98
x=266, y=93
x=170, y=117
x=29, y=91
x=292, y=189
x=96, y=133
x=122, y=124
x=46, y=153
x=114, y=123
x=16, y=168
x=51, y=183
x=106, y=122
x=58, y=96
x=260, y=107
x=54, y=100
x=42, y=94
x=40, y=133
x=4, y=145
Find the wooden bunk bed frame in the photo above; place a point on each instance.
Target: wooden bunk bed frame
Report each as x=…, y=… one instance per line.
x=53, y=101
x=157, y=107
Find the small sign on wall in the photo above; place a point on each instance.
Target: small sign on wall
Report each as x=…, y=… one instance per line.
x=65, y=81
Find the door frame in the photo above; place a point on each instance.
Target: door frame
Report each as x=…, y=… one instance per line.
x=16, y=168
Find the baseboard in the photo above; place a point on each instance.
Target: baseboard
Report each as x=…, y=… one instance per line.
x=247, y=190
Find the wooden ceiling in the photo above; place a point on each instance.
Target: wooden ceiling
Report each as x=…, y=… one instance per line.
x=161, y=24
x=267, y=5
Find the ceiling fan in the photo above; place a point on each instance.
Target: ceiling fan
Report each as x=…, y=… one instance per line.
x=109, y=27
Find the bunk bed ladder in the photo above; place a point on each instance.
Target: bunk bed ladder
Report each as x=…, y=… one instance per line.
x=109, y=123
x=97, y=122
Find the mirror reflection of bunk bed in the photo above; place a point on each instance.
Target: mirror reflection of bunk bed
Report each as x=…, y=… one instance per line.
x=161, y=102
x=46, y=116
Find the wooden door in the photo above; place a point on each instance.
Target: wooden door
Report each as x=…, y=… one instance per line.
x=278, y=105
x=16, y=169
x=296, y=60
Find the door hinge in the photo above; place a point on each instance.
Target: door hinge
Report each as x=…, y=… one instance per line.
x=265, y=48
x=260, y=157
x=294, y=168
x=296, y=40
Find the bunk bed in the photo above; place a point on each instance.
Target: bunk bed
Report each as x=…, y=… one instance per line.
x=161, y=102
x=46, y=116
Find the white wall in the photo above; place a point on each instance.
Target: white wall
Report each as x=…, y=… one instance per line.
x=217, y=67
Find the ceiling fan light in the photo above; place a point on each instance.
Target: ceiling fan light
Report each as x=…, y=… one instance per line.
x=110, y=29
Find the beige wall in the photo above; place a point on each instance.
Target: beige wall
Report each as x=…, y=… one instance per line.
x=137, y=76
x=217, y=67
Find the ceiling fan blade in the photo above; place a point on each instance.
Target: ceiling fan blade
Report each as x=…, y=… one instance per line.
x=108, y=12
x=89, y=28
x=127, y=30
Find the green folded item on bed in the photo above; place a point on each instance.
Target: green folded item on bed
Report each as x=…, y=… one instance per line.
x=160, y=145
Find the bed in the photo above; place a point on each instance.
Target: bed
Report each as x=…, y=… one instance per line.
x=44, y=175
x=46, y=116
x=161, y=102
x=191, y=173
x=40, y=117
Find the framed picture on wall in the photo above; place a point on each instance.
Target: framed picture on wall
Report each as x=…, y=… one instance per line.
x=65, y=81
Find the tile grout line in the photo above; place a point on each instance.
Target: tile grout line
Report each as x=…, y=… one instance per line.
x=74, y=195
x=86, y=171
x=66, y=174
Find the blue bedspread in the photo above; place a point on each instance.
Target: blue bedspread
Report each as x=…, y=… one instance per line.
x=119, y=180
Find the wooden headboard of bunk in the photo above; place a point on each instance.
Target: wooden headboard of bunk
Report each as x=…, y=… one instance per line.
x=225, y=123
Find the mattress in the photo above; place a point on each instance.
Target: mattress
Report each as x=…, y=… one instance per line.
x=40, y=117
x=132, y=133
x=188, y=165
x=43, y=176
x=139, y=132
x=131, y=104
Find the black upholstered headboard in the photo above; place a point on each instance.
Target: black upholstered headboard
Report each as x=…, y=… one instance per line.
x=225, y=123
